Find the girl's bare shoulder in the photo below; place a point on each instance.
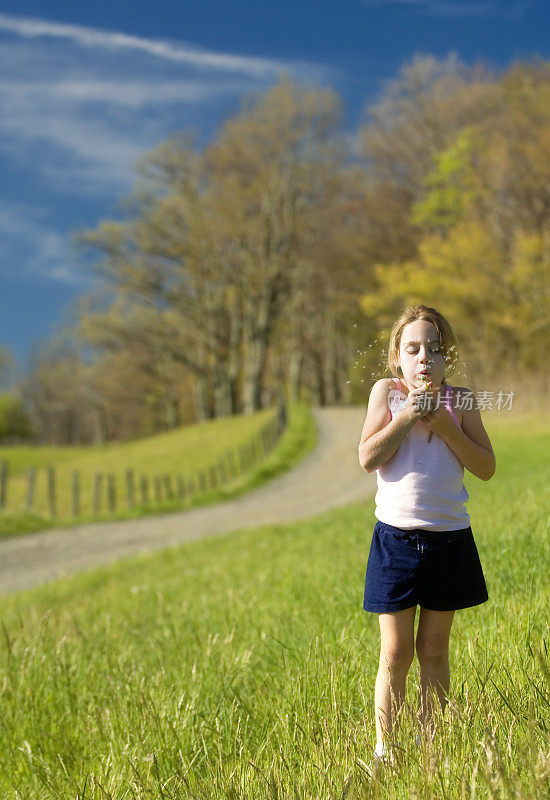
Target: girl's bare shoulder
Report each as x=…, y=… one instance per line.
x=378, y=412
x=463, y=392
x=464, y=403
x=382, y=388
x=386, y=383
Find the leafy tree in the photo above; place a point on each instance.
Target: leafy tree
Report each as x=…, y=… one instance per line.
x=14, y=420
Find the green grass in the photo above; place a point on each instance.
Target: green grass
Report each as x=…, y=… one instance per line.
x=243, y=667
x=201, y=445
x=189, y=447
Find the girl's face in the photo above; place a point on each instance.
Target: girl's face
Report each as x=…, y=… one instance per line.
x=420, y=353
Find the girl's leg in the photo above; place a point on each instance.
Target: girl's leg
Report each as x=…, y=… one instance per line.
x=432, y=649
x=396, y=655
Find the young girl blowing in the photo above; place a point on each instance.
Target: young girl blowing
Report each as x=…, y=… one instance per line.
x=419, y=435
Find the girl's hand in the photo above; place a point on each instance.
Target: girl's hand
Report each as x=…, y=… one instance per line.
x=438, y=420
x=419, y=403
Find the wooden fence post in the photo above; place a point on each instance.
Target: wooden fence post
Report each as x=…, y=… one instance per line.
x=202, y=481
x=232, y=462
x=169, y=494
x=265, y=437
x=180, y=487
x=3, y=483
x=242, y=458
x=130, y=487
x=158, y=489
x=51, y=492
x=144, y=489
x=282, y=414
x=98, y=480
x=213, y=476
x=31, y=480
x=76, y=493
x=222, y=470
x=111, y=491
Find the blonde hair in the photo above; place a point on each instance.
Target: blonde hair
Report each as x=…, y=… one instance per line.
x=447, y=339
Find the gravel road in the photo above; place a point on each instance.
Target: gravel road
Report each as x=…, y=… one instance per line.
x=329, y=477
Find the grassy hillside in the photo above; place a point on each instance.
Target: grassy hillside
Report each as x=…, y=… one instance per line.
x=243, y=667
x=168, y=451
x=184, y=451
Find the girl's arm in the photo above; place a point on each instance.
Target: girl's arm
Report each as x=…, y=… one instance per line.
x=471, y=444
x=381, y=435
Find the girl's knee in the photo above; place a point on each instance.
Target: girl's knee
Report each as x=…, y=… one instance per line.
x=432, y=650
x=397, y=657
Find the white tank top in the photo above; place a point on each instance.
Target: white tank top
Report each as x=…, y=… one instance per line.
x=422, y=485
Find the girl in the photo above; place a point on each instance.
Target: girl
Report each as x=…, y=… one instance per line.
x=422, y=551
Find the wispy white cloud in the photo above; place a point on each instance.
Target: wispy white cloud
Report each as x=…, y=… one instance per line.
x=94, y=129
x=457, y=8
x=130, y=93
x=46, y=251
x=174, y=52
x=70, y=96
x=80, y=105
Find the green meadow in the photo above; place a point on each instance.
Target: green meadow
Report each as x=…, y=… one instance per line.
x=243, y=666
x=184, y=451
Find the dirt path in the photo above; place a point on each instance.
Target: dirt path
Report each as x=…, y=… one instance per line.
x=330, y=476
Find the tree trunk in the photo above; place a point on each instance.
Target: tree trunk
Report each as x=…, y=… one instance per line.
x=223, y=406
x=100, y=425
x=171, y=413
x=295, y=374
x=200, y=391
x=319, y=388
x=257, y=329
x=235, y=352
x=343, y=393
x=254, y=367
x=330, y=360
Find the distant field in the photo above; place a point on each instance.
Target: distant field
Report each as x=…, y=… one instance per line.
x=184, y=451
x=243, y=667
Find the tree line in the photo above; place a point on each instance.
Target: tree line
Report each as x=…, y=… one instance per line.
x=271, y=260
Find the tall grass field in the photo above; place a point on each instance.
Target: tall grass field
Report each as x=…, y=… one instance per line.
x=244, y=667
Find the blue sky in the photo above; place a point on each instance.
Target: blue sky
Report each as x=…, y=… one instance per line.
x=85, y=91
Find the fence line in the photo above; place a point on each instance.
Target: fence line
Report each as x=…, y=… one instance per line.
x=228, y=466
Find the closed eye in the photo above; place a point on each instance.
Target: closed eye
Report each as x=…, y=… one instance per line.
x=435, y=349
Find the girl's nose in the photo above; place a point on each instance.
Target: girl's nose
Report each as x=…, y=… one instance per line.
x=423, y=355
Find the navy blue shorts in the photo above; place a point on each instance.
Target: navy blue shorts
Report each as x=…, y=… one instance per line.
x=438, y=570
